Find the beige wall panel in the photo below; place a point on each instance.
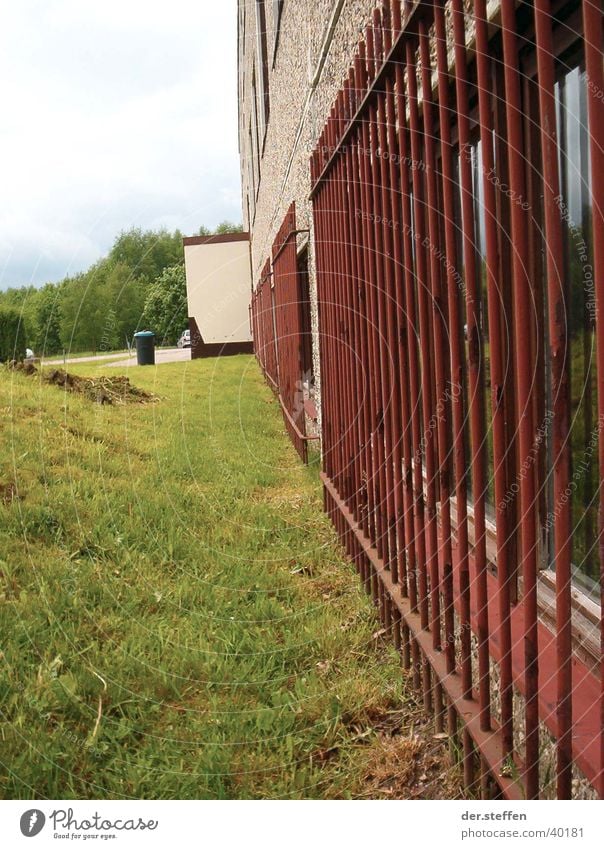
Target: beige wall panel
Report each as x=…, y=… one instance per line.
x=218, y=290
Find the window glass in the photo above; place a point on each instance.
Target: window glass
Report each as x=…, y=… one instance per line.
x=262, y=70
x=575, y=209
x=474, y=153
x=277, y=9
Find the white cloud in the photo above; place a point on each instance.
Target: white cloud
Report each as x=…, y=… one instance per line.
x=114, y=114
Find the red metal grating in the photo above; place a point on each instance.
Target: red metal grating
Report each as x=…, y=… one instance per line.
x=279, y=331
x=454, y=320
x=263, y=326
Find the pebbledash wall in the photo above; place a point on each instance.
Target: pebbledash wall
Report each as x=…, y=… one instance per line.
x=283, y=107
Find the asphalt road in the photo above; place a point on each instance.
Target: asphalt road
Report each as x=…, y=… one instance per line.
x=58, y=361
x=162, y=355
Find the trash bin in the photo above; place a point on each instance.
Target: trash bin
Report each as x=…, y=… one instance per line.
x=145, y=348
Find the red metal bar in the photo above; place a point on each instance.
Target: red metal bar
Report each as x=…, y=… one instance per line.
x=376, y=479
x=355, y=346
x=496, y=309
x=441, y=411
x=429, y=578
x=559, y=354
x=475, y=359
x=413, y=471
x=592, y=28
x=341, y=340
x=369, y=409
x=417, y=294
x=395, y=320
x=350, y=340
x=524, y=378
x=457, y=367
x=387, y=340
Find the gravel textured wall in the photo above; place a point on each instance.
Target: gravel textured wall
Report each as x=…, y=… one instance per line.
x=316, y=44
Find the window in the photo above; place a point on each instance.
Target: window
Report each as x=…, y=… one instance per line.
x=251, y=175
x=263, y=103
x=575, y=209
x=255, y=146
x=277, y=9
x=306, y=362
x=574, y=206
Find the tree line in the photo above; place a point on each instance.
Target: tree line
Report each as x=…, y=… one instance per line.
x=139, y=285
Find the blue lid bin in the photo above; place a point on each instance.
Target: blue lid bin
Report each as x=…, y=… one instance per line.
x=145, y=348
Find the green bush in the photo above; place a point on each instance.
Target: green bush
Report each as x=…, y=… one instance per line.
x=12, y=335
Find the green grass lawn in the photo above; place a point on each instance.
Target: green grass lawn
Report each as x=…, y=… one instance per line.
x=176, y=617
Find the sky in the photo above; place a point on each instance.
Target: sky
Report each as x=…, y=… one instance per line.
x=115, y=114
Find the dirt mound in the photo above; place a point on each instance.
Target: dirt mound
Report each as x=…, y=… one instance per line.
x=102, y=390
x=24, y=366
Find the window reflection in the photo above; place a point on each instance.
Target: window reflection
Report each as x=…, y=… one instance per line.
x=575, y=209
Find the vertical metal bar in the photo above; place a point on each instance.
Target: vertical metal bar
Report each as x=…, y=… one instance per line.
x=388, y=341
x=355, y=343
x=331, y=465
x=469, y=765
x=332, y=327
x=382, y=435
x=592, y=28
x=398, y=422
x=416, y=533
x=476, y=358
x=343, y=331
x=497, y=367
x=400, y=403
x=376, y=474
x=522, y=318
x=457, y=359
x=364, y=396
x=441, y=411
x=423, y=295
x=358, y=349
x=369, y=413
x=559, y=354
x=387, y=26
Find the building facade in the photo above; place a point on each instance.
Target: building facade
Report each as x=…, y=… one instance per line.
x=423, y=187
x=218, y=293
x=292, y=59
